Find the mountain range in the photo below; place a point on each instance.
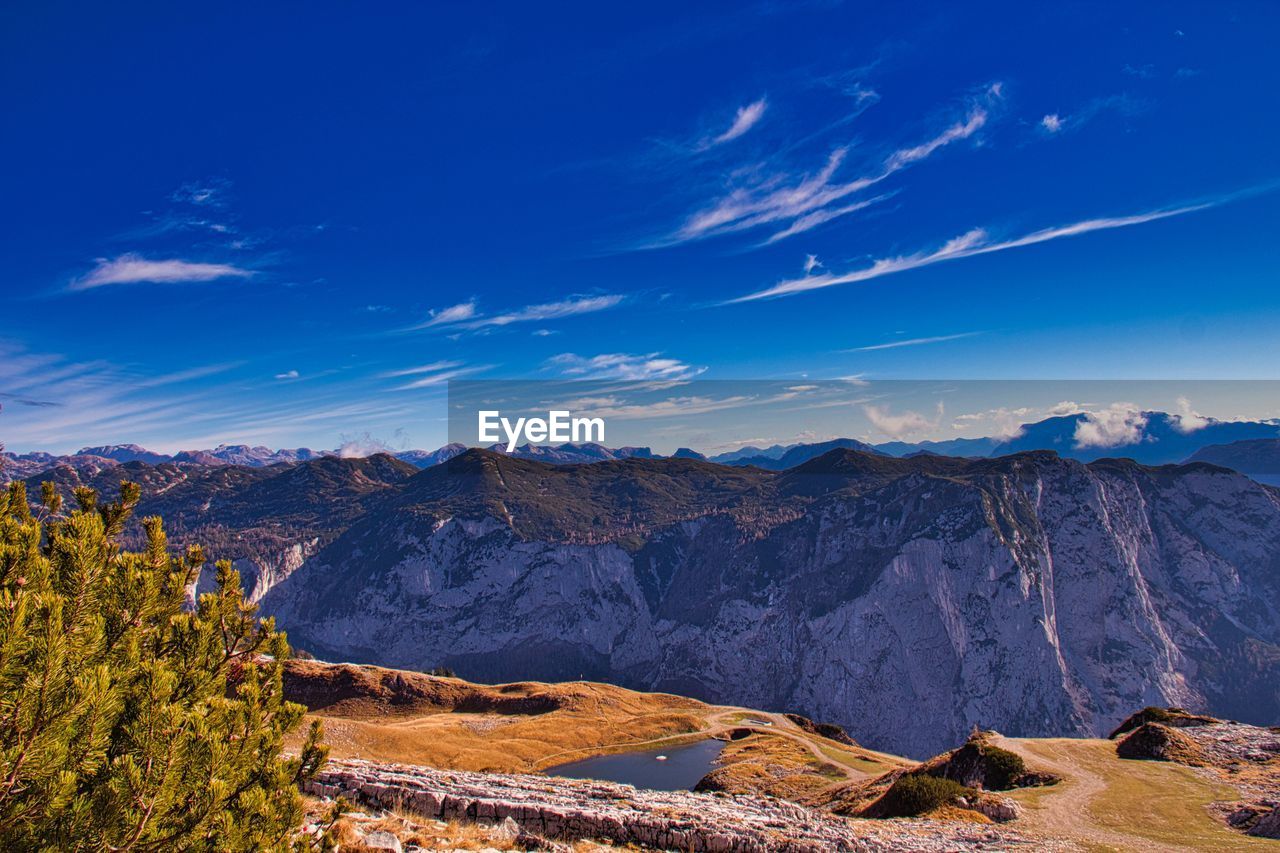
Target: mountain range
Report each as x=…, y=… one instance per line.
x=905, y=598
x=1153, y=438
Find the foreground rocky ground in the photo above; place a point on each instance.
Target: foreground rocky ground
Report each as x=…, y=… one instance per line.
x=552, y=811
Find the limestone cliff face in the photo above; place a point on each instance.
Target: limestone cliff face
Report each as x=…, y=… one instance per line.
x=1029, y=594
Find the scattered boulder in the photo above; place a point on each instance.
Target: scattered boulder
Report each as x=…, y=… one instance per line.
x=507, y=829
x=1158, y=742
x=998, y=809
x=382, y=840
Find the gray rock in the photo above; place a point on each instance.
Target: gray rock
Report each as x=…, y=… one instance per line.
x=567, y=810
x=382, y=840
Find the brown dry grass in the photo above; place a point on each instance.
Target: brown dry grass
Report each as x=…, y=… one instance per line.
x=385, y=715
x=772, y=764
x=1122, y=804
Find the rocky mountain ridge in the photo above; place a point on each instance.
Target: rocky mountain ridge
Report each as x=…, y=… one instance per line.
x=906, y=599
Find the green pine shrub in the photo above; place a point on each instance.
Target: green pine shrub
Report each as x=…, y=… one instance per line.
x=912, y=795
x=128, y=721
x=1003, y=768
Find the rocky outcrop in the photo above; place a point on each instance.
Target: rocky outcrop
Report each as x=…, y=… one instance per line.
x=1174, y=717
x=830, y=731
x=571, y=809
x=997, y=809
x=1157, y=742
x=1267, y=826
x=981, y=764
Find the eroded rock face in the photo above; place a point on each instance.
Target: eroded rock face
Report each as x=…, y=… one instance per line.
x=571, y=809
x=1038, y=596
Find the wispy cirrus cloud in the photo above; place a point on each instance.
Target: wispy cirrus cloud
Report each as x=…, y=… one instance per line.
x=447, y=316
x=974, y=242
x=746, y=118
x=466, y=316
x=800, y=202
x=433, y=374
x=1054, y=124
x=913, y=342
x=442, y=376
x=625, y=366
x=433, y=367
x=131, y=268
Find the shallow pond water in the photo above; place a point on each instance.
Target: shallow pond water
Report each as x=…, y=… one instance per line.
x=683, y=767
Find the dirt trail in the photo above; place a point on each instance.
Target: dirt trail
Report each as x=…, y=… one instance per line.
x=1065, y=812
x=1106, y=803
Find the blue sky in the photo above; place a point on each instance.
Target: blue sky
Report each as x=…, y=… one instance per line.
x=286, y=225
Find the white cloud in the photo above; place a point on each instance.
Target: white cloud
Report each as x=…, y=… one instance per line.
x=433, y=367
x=1005, y=422
x=746, y=119
x=134, y=269
x=209, y=193
x=465, y=315
x=1117, y=425
x=974, y=242
x=1056, y=123
x=444, y=376
x=819, y=217
x=901, y=425
x=672, y=407
x=361, y=446
x=803, y=201
x=288, y=374
x=550, y=310
x=914, y=342
x=811, y=263
x=624, y=366
x=447, y=316
x=1186, y=420
x=971, y=124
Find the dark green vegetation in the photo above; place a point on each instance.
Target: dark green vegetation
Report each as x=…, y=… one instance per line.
x=131, y=722
x=913, y=795
x=981, y=764
x=1004, y=768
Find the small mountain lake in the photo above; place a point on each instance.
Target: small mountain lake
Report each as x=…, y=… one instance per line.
x=680, y=771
